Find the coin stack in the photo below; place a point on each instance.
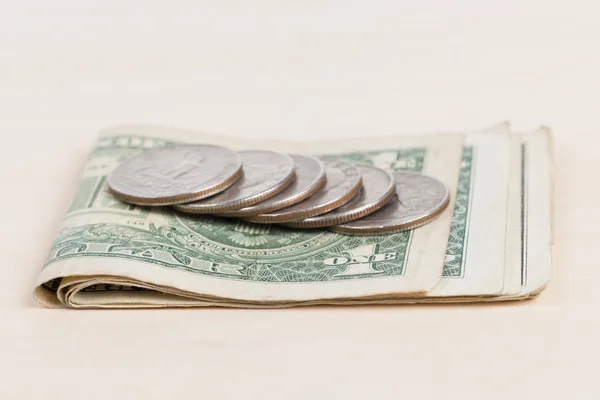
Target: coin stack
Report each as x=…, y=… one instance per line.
x=295, y=190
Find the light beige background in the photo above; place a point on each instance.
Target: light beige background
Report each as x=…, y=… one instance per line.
x=293, y=70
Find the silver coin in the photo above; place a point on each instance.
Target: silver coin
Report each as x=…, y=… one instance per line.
x=310, y=177
x=175, y=174
x=265, y=173
x=419, y=199
x=343, y=182
x=378, y=188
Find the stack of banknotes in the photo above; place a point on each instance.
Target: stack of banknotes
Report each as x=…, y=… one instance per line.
x=492, y=241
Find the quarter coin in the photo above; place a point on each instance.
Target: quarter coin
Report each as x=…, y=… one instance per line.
x=265, y=173
x=419, y=199
x=378, y=188
x=175, y=174
x=310, y=177
x=343, y=181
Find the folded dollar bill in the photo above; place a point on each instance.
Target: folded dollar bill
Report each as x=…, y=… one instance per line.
x=493, y=242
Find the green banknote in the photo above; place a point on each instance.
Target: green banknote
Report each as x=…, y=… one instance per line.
x=112, y=254
x=109, y=253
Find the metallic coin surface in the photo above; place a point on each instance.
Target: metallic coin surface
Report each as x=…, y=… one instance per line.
x=175, y=174
x=265, y=173
x=419, y=199
x=343, y=182
x=310, y=177
x=378, y=188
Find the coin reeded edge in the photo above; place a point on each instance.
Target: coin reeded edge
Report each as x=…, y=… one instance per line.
x=181, y=198
x=267, y=219
x=235, y=205
x=320, y=221
x=413, y=224
x=318, y=185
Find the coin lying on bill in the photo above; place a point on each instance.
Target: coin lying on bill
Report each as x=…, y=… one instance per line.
x=378, y=188
x=265, y=173
x=343, y=182
x=175, y=174
x=419, y=199
x=310, y=177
